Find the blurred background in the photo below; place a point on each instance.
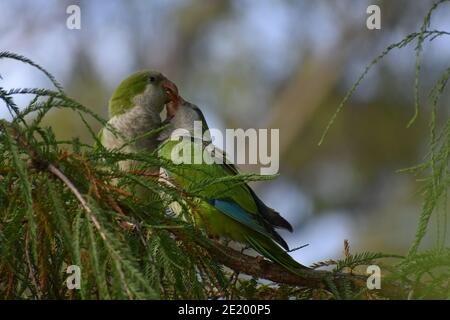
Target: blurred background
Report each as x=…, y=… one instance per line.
x=263, y=64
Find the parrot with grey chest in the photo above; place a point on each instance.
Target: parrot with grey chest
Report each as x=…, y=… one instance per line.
x=134, y=111
x=224, y=209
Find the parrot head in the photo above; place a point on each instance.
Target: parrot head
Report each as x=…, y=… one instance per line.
x=182, y=114
x=148, y=89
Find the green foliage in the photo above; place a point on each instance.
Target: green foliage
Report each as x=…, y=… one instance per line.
x=66, y=203
x=427, y=272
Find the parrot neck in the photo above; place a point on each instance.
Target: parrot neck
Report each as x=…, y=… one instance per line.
x=135, y=123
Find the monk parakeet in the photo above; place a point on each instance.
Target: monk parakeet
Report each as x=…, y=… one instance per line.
x=134, y=110
x=223, y=209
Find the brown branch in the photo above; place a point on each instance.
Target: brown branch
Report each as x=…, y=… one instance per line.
x=58, y=173
x=42, y=164
x=235, y=260
x=264, y=269
x=31, y=271
x=268, y=270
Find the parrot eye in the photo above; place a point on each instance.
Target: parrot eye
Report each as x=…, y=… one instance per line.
x=152, y=79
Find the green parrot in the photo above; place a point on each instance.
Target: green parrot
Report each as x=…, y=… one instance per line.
x=134, y=110
x=224, y=209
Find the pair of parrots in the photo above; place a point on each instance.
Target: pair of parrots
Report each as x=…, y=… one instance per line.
x=225, y=209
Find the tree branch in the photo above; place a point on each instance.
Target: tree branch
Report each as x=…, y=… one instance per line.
x=309, y=278
x=235, y=260
x=40, y=163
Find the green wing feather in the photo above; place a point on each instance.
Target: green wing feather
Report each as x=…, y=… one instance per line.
x=270, y=250
x=235, y=200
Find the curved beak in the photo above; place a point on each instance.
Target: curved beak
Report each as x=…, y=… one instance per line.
x=175, y=100
x=171, y=89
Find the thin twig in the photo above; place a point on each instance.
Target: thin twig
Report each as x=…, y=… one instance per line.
x=235, y=260
x=30, y=266
x=264, y=269
x=40, y=163
x=58, y=173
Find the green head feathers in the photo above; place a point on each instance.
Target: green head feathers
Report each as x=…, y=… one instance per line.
x=148, y=83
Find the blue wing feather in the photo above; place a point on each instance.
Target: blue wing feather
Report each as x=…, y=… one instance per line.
x=236, y=212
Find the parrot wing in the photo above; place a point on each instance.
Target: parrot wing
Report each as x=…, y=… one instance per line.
x=269, y=214
x=237, y=201
x=236, y=212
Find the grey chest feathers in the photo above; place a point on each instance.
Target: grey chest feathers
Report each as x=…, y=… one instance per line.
x=131, y=125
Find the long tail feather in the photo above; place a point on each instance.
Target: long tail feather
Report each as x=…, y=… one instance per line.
x=272, y=251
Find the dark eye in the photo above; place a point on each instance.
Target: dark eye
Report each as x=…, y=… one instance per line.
x=152, y=79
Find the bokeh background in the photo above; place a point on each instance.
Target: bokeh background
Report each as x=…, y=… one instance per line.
x=263, y=64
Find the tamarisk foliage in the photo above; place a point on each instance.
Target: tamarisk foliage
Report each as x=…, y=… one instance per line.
x=426, y=272
x=66, y=203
